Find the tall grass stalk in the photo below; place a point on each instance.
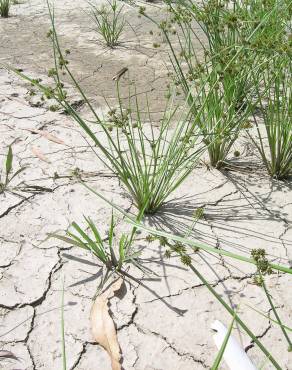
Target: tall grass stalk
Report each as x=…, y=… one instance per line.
x=4, y=8
x=109, y=21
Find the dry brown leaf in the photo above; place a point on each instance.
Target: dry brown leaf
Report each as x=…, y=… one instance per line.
x=102, y=325
x=7, y=355
x=36, y=151
x=48, y=136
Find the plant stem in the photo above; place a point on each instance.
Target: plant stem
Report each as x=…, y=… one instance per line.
x=277, y=316
x=236, y=317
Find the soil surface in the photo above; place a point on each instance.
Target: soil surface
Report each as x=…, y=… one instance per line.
x=163, y=319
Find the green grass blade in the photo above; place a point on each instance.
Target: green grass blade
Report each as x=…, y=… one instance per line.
x=64, y=357
x=132, y=220
x=236, y=318
x=8, y=165
x=269, y=318
x=277, y=316
x=67, y=240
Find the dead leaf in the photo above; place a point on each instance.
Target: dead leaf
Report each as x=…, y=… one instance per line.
x=36, y=151
x=48, y=136
x=8, y=355
x=102, y=325
x=120, y=74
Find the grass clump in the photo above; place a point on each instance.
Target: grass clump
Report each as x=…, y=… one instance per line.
x=273, y=137
x=4, y=8
x=112, y=253
x=217, y=113
x=151, y=161
x=109, y=22
x=219, y=84
x=183, y=248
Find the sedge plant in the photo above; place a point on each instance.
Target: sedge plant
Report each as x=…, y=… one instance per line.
x=150, y=161
x=109, y=21
x=177, y=245
x=237, y=33
x=4, y=8
x=228, y=60
x=113, y=254
x=273, y=128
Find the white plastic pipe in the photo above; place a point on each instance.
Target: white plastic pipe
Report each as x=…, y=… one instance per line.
x=234, y=356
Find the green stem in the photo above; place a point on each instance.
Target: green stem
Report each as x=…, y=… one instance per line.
x=63, y=331
x=277, y=316
x=236, y=317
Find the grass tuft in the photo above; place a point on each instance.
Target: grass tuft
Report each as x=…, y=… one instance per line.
x=109, y=22
x=242, y=36
x=273, y=137
x=113, y=254
x=151, y=161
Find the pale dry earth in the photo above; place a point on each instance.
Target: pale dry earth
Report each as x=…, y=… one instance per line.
x=163, y=320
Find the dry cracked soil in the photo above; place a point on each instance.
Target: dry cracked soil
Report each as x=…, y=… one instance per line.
x=163, y=321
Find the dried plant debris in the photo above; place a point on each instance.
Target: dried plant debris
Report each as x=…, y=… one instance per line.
x=47, y=135
x=103, y=327
x=39, y=154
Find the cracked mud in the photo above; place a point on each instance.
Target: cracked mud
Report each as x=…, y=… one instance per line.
x=163, y=322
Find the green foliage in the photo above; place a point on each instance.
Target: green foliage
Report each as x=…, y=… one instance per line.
x=248, y=42
x=111, y=253
x=180, y=242
x=273, y=138
x=262, y=263
x=8, y=175
x=178, y=245
x=283, y=329
x=151, y=161
x=241, y=36
x=218, y=112
x=4, y=8
x=263, y=268
x=109, y=22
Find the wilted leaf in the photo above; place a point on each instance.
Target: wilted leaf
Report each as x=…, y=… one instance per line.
x=48, y=136
x=7, y=355
x=103, y=327
x=36, y=151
